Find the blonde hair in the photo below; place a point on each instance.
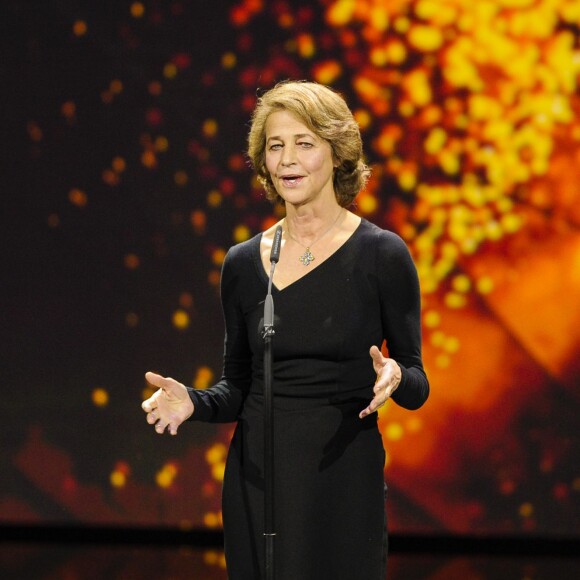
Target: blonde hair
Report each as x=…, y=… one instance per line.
x=325, y=113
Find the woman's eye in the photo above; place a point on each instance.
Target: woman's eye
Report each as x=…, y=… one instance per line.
x=305, y=144
x=275, y=147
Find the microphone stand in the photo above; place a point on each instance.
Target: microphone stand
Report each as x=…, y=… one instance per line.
x=267, y=335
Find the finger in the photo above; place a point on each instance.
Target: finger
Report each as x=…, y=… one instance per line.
x=172, y=429
x=378, y=401
x=167, y=385
x=152, y=402
x=379, y=361
x=155, y=379
x=377, y=356
x=152, y=418
x=149, y=404
x=160, y=427
x=368, y=411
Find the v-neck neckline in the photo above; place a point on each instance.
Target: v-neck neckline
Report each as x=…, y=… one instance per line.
x=265, y=275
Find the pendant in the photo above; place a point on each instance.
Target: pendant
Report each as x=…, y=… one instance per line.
x=306, y=257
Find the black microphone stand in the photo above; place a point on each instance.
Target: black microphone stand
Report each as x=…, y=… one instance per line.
x=268, y=334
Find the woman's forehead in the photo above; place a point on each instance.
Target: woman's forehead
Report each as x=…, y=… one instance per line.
x=285, y=123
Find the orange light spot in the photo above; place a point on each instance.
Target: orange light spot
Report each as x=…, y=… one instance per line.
x=241, y=233
x=107, y=97
x=367, y=202
x=68, y=109
x=363, y=118
x=236, y=162
x=341, y=12
x=100, y=397
x=211, y=520
x=306, y=45
x=507, y=487
x=186, y=300
x=118, y=479
x=394, y=431
x=148, y=159
x=526, y=510
x=218, y=256
x=203, y=378
x=180, y=319
x=217, y=471
x=229, y=60
x=210, y=128
x=431, y=319
x=80, y=28
x=214, y=198
x=214, y=278
x=118, y=165
x=326, y=72
x=132, y=261
x=116, y=86
x=131, y=319
x=166, y=475
x=137, y=10
x=181, y=178
x=161, y=144
x=155, y=88
x=34, y=131
x=170, y=70
x=286, y=20
x=198, y=220
x=78, y=197
x=110, y=177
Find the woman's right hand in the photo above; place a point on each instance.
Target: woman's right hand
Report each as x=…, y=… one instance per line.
x=169, y=406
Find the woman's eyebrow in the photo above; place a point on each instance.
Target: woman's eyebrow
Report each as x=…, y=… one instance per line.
x=297, y=136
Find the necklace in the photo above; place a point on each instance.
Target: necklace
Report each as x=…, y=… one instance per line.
x=307, y=257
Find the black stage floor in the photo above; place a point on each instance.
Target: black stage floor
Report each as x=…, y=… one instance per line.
x=85, y=562
x=57, y=554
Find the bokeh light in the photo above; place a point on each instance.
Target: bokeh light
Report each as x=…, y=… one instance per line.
x=136, y=170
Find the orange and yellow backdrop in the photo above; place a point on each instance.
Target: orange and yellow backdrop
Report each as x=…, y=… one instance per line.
x=125, y=126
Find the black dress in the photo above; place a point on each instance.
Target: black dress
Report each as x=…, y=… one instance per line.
x=329, y=486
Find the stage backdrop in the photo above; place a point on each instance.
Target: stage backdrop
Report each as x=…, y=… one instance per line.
x=125, y=126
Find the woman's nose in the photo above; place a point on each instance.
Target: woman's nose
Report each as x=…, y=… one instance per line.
x=288, y=156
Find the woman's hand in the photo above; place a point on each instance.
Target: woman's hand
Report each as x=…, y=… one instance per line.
x=169, y=406
x=388, y=379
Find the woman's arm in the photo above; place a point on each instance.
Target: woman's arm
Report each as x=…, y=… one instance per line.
x=222, y=402
x=401, y=318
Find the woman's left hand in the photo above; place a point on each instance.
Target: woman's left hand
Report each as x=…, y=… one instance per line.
x=388, y=379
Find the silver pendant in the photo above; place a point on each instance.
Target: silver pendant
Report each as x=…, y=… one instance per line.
x=306, y=257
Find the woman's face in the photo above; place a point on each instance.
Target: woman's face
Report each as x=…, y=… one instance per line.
x=299, y=162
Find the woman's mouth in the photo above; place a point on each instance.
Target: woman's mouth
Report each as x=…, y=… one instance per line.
x=291, y=180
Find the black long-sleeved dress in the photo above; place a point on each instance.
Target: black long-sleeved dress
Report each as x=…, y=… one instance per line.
x=329, y=487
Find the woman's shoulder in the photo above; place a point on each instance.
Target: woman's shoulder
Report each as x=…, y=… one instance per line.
x=243, y=251
x=239, y=260
x=383, y=239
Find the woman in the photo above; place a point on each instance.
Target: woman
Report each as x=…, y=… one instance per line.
x=341, y=287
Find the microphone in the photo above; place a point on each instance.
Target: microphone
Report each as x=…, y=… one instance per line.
x=269, y=303
x=276, y=244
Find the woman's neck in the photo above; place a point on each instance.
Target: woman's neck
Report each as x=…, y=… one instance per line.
x=307, y=224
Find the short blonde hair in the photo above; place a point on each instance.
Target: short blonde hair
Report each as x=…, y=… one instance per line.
x=325, y=113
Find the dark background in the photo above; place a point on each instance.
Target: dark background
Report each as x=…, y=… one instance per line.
x=124, y=182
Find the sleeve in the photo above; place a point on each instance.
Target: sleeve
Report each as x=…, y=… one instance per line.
x=401, y=318
x=222, y=403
